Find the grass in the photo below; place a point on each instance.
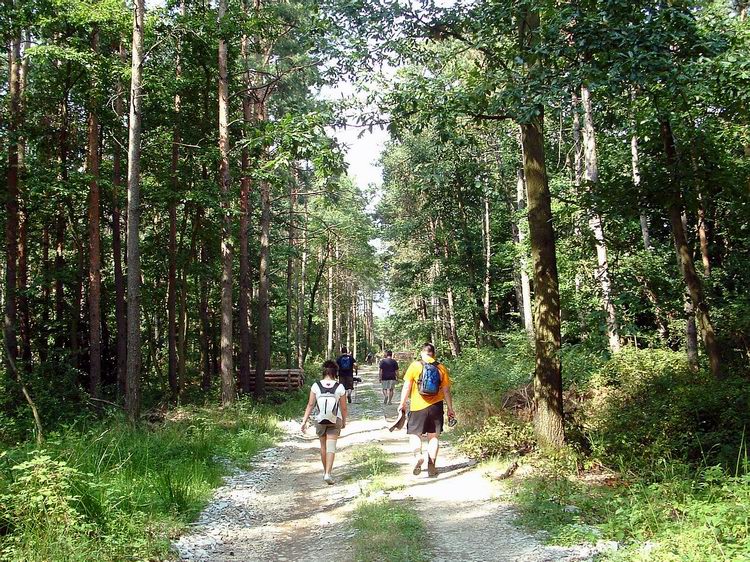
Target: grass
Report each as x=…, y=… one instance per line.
x=682, y=516
x=388, y=531
x=371, y=464
x=108, y=491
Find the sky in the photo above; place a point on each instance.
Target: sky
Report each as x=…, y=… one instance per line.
x=362, y=150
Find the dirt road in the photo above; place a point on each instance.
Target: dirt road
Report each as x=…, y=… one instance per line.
x=283, y=511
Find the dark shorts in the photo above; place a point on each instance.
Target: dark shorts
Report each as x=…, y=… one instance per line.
x=428, y=420
x=347, y=381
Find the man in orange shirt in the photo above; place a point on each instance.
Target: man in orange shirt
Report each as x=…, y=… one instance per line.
x=426, y=385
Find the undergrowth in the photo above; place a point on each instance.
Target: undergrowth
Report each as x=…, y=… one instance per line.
x=656, y=457
x=109, y=491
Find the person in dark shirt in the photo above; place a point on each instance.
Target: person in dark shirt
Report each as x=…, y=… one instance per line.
x=387, y=374
x=347, y=369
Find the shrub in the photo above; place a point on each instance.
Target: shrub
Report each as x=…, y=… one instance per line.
x=648, y=408
x=499, y=436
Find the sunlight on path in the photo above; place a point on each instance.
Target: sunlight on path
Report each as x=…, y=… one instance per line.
x=282, y=510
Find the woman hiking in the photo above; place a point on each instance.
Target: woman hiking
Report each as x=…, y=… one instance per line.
x=329, y=396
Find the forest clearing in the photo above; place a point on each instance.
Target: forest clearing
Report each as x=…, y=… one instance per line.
x=203, y=202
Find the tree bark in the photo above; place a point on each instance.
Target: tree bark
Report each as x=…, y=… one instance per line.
x=685, y=257
x=264, y=308
x=95, y=275
x=487, y=252
x=548, y=415
x=301, y=292
x=227, y=367
x=133, y=371
x=329, y=345
x=290, y=271
x=120, y=309
x=596, y=223
x=205, y=335
x=523, y=266
x=635, y=166
x=24, y=316
x=245, y=276
x=11, y=203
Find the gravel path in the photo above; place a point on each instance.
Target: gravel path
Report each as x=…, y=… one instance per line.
x=281, y=510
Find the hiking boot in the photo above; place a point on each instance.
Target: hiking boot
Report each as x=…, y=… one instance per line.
x=328, y=479
x=418, y=467
x=431, y=469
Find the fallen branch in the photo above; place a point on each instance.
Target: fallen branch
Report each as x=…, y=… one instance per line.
x=26, y=395
x=507, y=473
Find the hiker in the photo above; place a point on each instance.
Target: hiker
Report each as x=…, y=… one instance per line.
x=328, y=395
x=387, y=375
x=347, y=369
x=426, y=385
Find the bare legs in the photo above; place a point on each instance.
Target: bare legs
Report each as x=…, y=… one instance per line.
x=433, y=448
x=327, y=454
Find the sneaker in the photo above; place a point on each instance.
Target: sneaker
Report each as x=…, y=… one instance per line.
x=349, y=398
x=418, y=467
x=328, y=479
x=385, y=401
x=431, y=469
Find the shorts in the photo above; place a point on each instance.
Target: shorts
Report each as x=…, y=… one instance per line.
x=329, y=429
x=347, y=381
x=427, y=420
x=388, y=384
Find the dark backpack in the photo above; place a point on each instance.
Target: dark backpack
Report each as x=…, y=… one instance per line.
x=429, y=381
x=328, y=404
x=346, y=362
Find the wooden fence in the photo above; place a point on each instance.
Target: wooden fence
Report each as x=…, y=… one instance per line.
x=281, y=379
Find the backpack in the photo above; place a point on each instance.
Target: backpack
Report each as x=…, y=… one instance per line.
x=345, y=362
x=328, y=404
x=429, y=381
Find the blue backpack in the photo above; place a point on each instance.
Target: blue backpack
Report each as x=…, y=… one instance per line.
x=429, y=381
x=345, y=363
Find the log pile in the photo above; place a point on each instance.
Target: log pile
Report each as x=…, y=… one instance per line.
x=281, y=379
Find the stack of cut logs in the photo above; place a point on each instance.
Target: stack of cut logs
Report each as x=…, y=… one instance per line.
x=281, y=379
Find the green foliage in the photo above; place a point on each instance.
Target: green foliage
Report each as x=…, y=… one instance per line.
x=648, y=408
x=499, y=436
x=483, y=378
x=683, y=516
x=108, y=491
x=388, y=531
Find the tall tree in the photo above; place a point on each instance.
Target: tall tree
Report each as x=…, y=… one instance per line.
x=133, y=373
x=227, y=364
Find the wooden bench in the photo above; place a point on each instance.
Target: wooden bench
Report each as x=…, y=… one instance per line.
x=281, y=379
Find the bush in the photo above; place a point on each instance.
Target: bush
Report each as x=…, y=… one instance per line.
x=649, y=408
x=499, y=436
x=483, y=377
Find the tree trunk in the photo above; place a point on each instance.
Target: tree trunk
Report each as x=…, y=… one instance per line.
x=227, y=367
x=523, y=266
x=95, y=275
x=205, y=335
x=264, y=308
x=487, y=252
x=24, y=316
x=301, y=293
x=685, y=257
x=120, y=310
x=635, y=165
x=174, y=386
x=290, y=271
x=11, y=204
x=245, y=276
x=329, y=345
x=595, y=222
x=133, y=374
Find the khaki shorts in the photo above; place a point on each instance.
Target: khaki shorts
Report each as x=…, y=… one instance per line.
x=329, y=429
x=388, y=385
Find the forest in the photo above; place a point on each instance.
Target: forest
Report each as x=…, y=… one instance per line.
x=564, y=212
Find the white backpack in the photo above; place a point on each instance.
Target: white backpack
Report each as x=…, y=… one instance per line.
x=328, y=404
